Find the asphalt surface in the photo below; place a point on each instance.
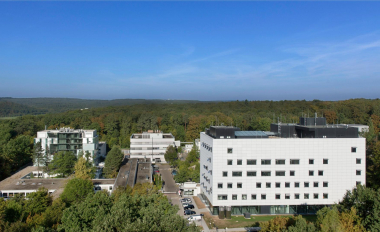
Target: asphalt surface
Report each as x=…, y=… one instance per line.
x=166, y=174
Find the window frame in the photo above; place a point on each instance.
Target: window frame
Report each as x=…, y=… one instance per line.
x=311, y=161
x=254, y=172
x=236, y=172
x=254, y=162
x=230, y=162
x=291, y=160
x=263, y=162
x=230, y=150
x=277, y=160
x=220, y=185
x=325, y=161
x=280, y=172
x=263, y=172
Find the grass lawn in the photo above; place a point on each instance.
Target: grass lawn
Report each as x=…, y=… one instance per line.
x=240, y=221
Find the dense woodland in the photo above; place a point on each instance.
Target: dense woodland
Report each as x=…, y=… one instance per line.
x=116, y=124
x=358, y=211
x=11, y=107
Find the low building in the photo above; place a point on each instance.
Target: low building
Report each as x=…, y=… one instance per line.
x=293, y=169
x=67, y=139
x=151, y=144
x=22, y=183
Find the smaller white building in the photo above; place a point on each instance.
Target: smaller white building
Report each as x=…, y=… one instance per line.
x=67, y=139
x=151, y=144
x=190, y=188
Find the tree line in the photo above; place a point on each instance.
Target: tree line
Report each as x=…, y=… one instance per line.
x=185, y=121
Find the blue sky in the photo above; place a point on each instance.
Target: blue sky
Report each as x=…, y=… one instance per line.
x=190, y=50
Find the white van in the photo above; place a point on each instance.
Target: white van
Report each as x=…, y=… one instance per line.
x=195, y=218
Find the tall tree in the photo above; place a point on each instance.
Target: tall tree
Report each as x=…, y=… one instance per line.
x=83, y=169
x=76, y=190
x=63, y=163
x=113, y=161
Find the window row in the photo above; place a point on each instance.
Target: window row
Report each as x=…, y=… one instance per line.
x=277, y=173
x=277, y=185
x=279, y=161
x=277, y=196
x=230, y=150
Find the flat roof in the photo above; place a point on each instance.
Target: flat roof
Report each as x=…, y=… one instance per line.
x=250, y=134
x=103, y=181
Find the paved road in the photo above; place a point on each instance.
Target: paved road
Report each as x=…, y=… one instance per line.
x=166, y=173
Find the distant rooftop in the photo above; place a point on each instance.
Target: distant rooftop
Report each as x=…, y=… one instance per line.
x=250, y=134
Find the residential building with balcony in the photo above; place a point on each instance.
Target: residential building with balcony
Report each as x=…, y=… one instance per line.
x=293, y=169
x=67, y=139
x=151, y=144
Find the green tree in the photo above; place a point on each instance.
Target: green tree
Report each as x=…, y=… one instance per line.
x=328, y=220
x=366, y=202
x=76, y=190
x=38, y=156
x=83, y=169
x=53, y=214
x=63, y=163
x=301, y=225
x=38, y=201
x=171, y=154
x=113, y=161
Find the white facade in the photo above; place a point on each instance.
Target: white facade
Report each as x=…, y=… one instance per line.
x=342, y=170
x=151, y=144
x=66, y=139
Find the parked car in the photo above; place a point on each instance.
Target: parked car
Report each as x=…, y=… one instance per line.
x=174, y=172
x=189, y=212
x=184, y=204
x=156, y=171
x=189, y=206
x=195, y=218
x=186, y=200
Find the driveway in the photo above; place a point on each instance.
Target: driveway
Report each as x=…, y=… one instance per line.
x=166, y=174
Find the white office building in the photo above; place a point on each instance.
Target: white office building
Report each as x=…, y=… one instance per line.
x=292, y=169
x=151, y=144
x=67, y=139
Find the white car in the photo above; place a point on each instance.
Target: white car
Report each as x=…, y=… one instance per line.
x=195, y=218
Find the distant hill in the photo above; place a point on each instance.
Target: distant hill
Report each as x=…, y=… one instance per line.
x=10, y=107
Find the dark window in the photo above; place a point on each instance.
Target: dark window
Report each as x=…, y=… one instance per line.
x=315, y=184
x=229, y=162
x=358, y=182
x=294, y=161
x=225, y=174
x=258, y=185
x=292, y=173
x=250, y=173
x=320, y=173
x=239, y=162
x=311, y=161
x=229, y=185
x=325, y=196
x=265, y=162
x=287, y=184
x=353, y=149
x=268, y=185
x=278, y=185
x=263, y=197
x=315, y=195
x=265, y=173
x=287, y=196
x=280, y=173
x=325, y=161
x=296, y=184
x=278, y=196
x=222, y=197
x=311, y=173
x=306, y=184
x=237, y=174
x=220, y=185
x=358, y=172
x=358, y=161
x=234, y=197
x=306, y=196
x=244, y=196
x=325, y=184
x=239, y=185
x=296, y=196
x=229, y=150
x=253, y=197
x=251, y=162
x=280, y=161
